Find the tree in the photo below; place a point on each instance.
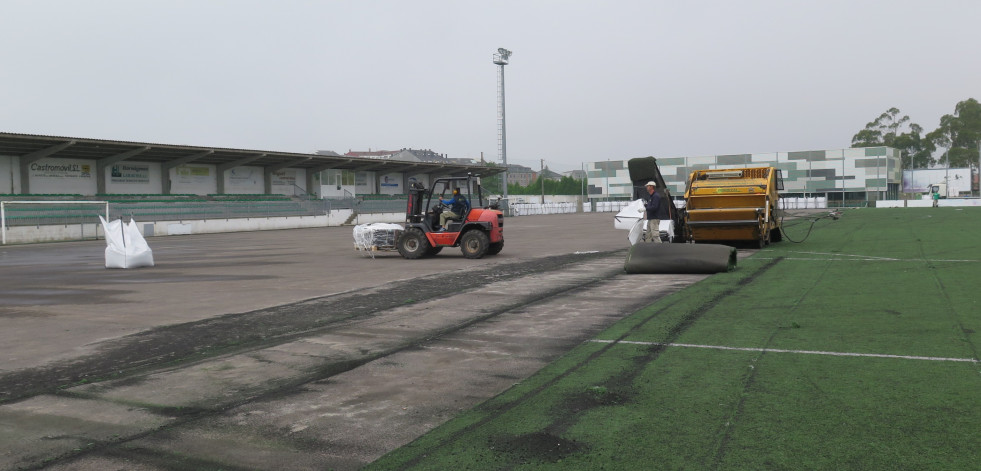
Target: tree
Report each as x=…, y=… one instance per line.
x=917, y=151
x=891, y=122
x=959, y=134
x=564, y=186
x=885, y=131
x=868, y=137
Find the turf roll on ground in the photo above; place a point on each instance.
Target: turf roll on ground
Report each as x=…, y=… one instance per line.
x=680, y=258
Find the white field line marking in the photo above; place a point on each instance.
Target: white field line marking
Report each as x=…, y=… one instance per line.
x=778, y=350
x=864, y=257
x=877, y=259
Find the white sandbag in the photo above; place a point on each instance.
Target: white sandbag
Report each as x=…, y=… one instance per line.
x=665, y=228
x=637, y=231
x=629, y=215
x=125, y=245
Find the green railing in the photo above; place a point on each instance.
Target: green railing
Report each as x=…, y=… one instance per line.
x=153, y=209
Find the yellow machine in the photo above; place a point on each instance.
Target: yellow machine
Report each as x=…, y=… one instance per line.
x=738, y=204
x=721, y=207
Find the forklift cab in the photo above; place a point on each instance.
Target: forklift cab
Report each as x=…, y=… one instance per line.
x=425, y=206
x=479, y=230
x=452, y=201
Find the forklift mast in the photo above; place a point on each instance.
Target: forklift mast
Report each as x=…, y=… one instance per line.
x=414, y=210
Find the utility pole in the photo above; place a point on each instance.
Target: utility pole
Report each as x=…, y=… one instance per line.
x=501, y=59
x=542, y=178
x=947, y=172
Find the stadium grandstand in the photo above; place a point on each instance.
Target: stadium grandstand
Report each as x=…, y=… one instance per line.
x=53, y=180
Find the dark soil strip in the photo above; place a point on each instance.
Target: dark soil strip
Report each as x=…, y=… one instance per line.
x=183, y=416
x=193, y=341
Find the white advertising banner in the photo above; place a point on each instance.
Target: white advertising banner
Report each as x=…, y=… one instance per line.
x=289, y=181
x=62, y=176
x=285, y=177
x=244, y=176
x=193, y=179
x=244, y=180
x=364, y=183
x=917, y=181
x=129, y=173
x=189, y=174
x=133, y=177
x=391, y=184
x=61, y=169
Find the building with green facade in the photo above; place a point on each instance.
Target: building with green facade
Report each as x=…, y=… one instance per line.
x=852, y=176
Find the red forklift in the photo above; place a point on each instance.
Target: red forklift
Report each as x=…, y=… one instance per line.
x=478, y=231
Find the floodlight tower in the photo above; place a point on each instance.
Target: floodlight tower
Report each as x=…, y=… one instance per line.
x=501, y=59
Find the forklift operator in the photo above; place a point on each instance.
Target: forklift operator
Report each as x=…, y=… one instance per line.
x=457, y=204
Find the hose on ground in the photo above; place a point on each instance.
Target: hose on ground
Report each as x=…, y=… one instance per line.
x=835, y=215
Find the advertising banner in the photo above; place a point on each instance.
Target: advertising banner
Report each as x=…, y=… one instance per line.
x=62, y=176
x=129, y=173
x=285, y=177
x=60, y=169
x=918, y=181
x=244, y=176
x=192, y=175
x=389, y=181
x=362, y=185
x=391, y=184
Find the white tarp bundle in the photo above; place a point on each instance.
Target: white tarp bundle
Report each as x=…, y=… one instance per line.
x=125, y=246
x=376, y=236
x=665, y=228
x=631, y=217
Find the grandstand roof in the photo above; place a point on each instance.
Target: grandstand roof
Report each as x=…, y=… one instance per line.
x=35, y=146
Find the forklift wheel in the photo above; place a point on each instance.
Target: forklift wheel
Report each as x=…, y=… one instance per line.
x=413, y=244
x=495, y=248
x=474, y=243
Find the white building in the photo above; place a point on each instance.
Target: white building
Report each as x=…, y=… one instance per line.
x=853, y=174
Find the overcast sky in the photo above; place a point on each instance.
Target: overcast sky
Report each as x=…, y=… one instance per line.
x=588, y=80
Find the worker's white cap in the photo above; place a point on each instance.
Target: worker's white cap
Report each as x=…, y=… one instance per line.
x=651, y=183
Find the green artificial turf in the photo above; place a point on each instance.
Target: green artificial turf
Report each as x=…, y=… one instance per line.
x=900, y=282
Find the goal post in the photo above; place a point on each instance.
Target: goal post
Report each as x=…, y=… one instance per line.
x=63, y=211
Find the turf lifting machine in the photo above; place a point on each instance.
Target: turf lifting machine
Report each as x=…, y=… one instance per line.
x=721, y=206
